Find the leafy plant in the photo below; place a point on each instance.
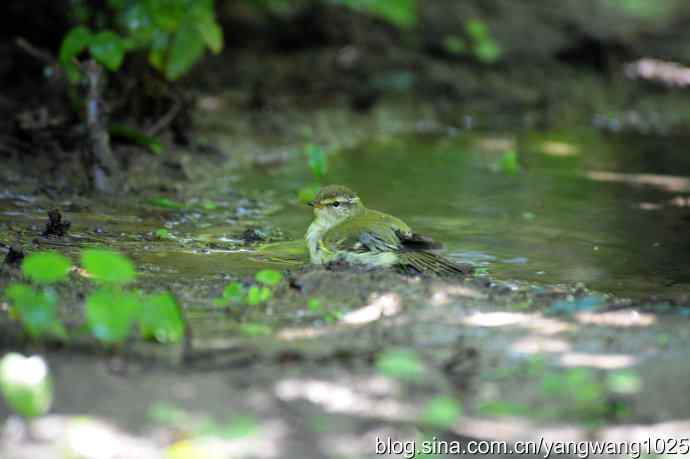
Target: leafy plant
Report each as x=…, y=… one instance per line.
x=508, y=163
x=477, y=42
x=26, y=384
x=35, y=307
x=173, y=33
x=111, y=310
x=261, y=292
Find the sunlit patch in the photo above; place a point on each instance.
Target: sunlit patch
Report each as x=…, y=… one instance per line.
x=210, y=103
x=536, y=344
x=385, y=305
x=444, y=294
x=290, y=334
x=517, y=429
x=370, y=397
x=680, y=201
x=496, y=144
x=536, y=322
x=495, y=319
x=561, y=149
x=662, y=432
x=665, y=182
x=605, y=361
x=617, y=318
x=649, y=206
x=666, y=72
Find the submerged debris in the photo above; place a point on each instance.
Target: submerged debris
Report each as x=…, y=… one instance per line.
x=56, y=226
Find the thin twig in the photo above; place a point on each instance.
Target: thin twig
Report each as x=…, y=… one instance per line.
x=165, y=120
x=40, y=54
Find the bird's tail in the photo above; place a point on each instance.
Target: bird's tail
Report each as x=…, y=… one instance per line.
x=430, y=263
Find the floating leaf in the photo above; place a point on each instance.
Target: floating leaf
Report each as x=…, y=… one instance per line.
x=269, y=277
x=46, y=267
x=161, y=319
x=400, y=364
x=165, y=203
x=108, y=49
x=162, y=233
x=26, y=385
x=110, y=314
x=441, y=411
x=108, y=266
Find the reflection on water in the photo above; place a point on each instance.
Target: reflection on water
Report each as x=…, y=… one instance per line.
x=585, y=208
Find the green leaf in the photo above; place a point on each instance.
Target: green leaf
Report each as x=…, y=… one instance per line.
x=152, y=144
x=26, y=384
x=314, y=305
x=165, y=203
x=400, y=364
x=487, y=51
x=476, y=29
x=212, y=34
x=76, y=40
x=36, y=310
x=107, y=266
x=268, y=277
x=509, y=163
x=402, y=13
x=257, y=295
x=187, y=48
x=161, y=319
x=441, y=411
x=317, y=161
x=110, y=314
x=233, y=291
x=162, y=233
x=108, y=49
x=46, y=267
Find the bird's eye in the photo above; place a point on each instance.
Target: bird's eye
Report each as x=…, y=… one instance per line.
x=336, y=204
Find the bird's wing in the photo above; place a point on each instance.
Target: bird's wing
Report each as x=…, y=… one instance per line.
x=364, y=235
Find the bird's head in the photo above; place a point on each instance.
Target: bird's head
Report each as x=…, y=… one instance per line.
x=335, y=203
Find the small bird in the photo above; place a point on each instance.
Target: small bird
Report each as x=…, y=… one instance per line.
x=344, y=230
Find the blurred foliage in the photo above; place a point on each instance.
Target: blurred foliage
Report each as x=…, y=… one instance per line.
x=476, y=41
x=317, y=161
x=260, y=292
x=26, y=384
x=173, y=33
x=111, y=309
x=401, y=364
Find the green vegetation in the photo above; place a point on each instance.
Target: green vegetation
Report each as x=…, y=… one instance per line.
x=111, y=309
x=260, y=292
x=402, y=364
x=172, y=33
x=317, y=161
x=476, y=42
x=26, y=385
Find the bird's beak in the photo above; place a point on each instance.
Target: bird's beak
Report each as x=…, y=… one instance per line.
x=313, y=203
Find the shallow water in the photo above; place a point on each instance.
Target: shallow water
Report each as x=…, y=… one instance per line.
x=612, y=212
x=580, y=210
